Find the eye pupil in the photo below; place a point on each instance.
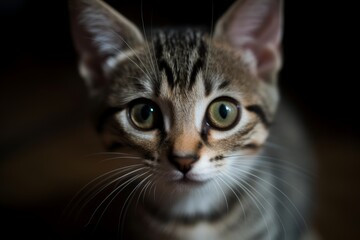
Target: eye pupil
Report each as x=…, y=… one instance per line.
x=146, y=111
x=223, y=111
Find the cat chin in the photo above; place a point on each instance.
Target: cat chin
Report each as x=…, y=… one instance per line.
x=183, y=199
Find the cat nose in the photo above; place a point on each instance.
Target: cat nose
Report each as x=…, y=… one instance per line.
x=183, y=163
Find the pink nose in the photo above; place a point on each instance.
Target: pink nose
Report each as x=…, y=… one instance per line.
x=183, y=163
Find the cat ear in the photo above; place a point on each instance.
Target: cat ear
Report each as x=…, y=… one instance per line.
x=254, y=27
x=100, y=34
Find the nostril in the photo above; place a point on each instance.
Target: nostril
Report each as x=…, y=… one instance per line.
x=183, y=163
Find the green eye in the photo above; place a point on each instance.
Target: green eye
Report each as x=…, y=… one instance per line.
x=144, y=114
x=223, y=113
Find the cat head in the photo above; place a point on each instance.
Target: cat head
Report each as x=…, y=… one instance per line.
x=184, y=102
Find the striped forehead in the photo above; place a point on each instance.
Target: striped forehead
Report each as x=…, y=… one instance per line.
x=175, y=62
x=180, y=55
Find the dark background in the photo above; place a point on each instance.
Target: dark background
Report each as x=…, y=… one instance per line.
x=43, y=106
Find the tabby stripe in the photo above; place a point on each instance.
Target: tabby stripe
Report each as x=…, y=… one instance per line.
x=260, y=113
x=247, y=129
x=195, y=71
x=198, y=64
x=139, y=86
x=158, y=49
x=243, y=134
x=208, y=87
x=224, y=84
x=205, y=132
x=163, y=65
x=159, y=55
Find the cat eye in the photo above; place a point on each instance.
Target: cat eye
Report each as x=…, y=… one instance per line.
x=144, y=114
x=223, y=113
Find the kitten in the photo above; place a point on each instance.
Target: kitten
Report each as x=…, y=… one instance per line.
x=192, y=118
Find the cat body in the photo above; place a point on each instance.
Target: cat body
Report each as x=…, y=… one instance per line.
x=194, y=118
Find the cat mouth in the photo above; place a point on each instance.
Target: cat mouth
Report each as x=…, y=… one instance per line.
x=188, y=179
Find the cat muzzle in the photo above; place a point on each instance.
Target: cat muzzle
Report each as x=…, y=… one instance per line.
x=183, y=163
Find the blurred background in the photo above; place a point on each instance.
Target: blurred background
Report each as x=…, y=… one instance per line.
x=45, y=131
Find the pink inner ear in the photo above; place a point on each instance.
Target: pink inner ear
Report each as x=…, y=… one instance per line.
x=270, y=62
x=255, y=26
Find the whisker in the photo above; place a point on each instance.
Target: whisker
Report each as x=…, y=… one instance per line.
x=117, y=158
x=134, y=52
x=143, y=190
x=89, y=191
x=107, y=153
x=128, y=202
x=241, y=205
x=115, y=193
x=275, y=196
x=94, y=194
x=148, y=184
x=256, y=169
x=211, y=37
x=147, y=45
x=276, y=146
x=154, y=189
x=226, y=201
x=252, y=197
x=146, y=72
x=274, y=162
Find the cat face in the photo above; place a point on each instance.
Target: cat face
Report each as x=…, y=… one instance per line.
x=181, y=109
x=185, y=103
